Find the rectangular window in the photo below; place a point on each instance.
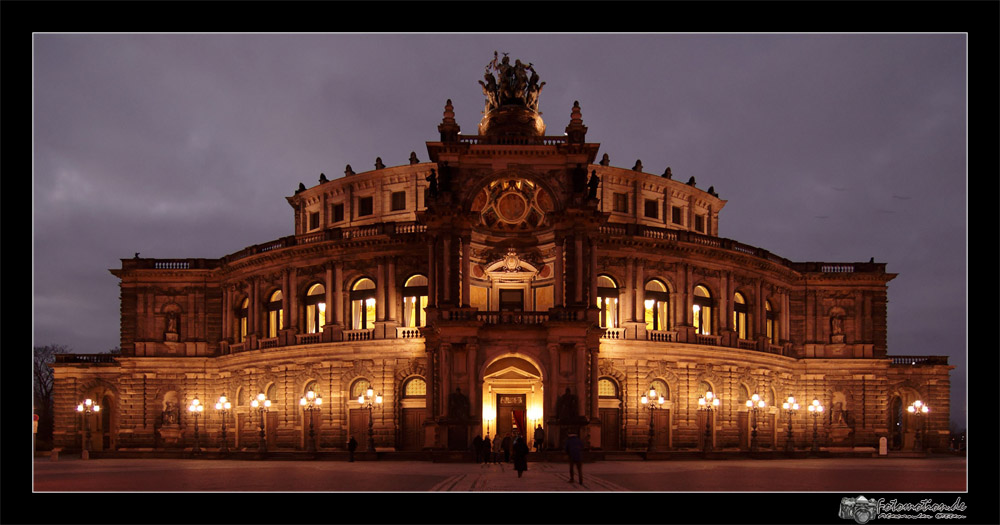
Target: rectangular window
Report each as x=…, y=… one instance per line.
x=620, y=202
x=338, y=212
x=651, y=209
x=314, y=220
x=699, y=223
x=365, y=206
x=675, y=214
x=398, y=200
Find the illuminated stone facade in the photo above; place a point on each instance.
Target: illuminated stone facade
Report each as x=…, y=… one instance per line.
x=511, y=281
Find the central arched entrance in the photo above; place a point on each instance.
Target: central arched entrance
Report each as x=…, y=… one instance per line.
x=512, y=397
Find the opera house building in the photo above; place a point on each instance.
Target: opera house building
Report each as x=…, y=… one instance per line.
x=514, y=279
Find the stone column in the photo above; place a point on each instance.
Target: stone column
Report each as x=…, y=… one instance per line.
x=255, y=305
x=640, y=289
x=628, y=289
x=380, y=290
x=338, y=294
x=226, y=312
x=391, y=287
x=594, y=374
x=285, y=293
x=330, y=307
x=578, y=261
x=593, y=274
x=431, y=274
x=293, y=301
x=446, y=269
x=558, y=277
x=466, y=270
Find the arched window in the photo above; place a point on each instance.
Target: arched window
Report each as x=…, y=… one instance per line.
x=606, y=388
x=704, y=387
x=740, y=315
x=360, y=388
x=415, y=301
x=770, y=323
x=415, y=387
x=275, y=317
x=702, y=310
x=363, y=304
x=242, y=313
x=744, y=396
x=241, y=397
x=272, y=393
x=656, y=306
x=315, y=308
x=607, y=301
x=661, y=389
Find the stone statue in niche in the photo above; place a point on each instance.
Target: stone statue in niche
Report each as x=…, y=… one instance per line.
x=170, y=414
x=837, y=329
x=170, y=334
x=432, y=188
x=566, y=407
x=458, y=405
x=592, y=185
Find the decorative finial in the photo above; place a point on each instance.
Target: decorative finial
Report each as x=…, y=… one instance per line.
x=302, y=187
x=378, y=163
x=691, y=181
x=605, y=161
x=667, y=174
x=448, y=127
x=413, y=158
x=348, y=172
x=322, y=178
x=711, y=191
x=638, y=165
x=576, y=132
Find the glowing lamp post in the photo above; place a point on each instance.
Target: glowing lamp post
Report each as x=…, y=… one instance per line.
x=196, y=408
x=754, y=404
x=918, y=408
x=310, y=402
x=370, y=400
x=791, y=407
x=261, y=404
x=708, y=403
x=223, y=406
x=815, y=409
x=85, y=409
x=653, y=402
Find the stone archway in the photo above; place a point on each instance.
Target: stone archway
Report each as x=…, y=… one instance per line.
x=513, y=396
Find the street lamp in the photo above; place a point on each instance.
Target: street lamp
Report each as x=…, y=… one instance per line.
x=370, y=400
x=708, y=403
x=755, y=404
x=223, y=406
x=85, y=409
x=261, y=404
x=196, y=408
x=309, y=403
x=918, y=408
x=815, y=409
x=790, y=406
x=648, y=403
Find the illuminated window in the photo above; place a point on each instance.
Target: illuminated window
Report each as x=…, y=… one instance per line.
x=656, y=305
x=359, y=388
x=415, y=387
x=702, y=310
x=241, y=397
x=607, y=388
x=315, y=308
x=241, y=317
x=275, y=317
x=415, y=301
x=607, y=301
x=770, y=324
x=272, y=393
x=740, y=315
x=363, y=304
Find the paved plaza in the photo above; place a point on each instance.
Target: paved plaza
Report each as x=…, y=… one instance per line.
x=934, y=474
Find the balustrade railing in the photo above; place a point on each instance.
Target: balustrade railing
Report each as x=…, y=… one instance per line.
x=704, y=339
x=308, y=339
x=662, y=336
x=271, y=342
x=237, y=347
x=919, y=359
x=746, y=344
x=358, y=335
x=504, y=317
x=614, y=333
x=85, y=358
x=407, y=332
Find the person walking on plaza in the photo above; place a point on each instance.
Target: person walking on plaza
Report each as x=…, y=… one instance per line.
x=477, y=447
x=497, y=451
x=352, y=445
x=539, y=438
x=574, y=447
x=520, y=455
x=505, y=445
x=486, y=449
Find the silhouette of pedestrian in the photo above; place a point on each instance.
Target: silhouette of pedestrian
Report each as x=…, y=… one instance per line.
x=487, y=449
x=352, y=445
x=520, y=455
x=497, y=451
x=505, y=445
x=477, y=447
x=574, y=447
x=539, y=438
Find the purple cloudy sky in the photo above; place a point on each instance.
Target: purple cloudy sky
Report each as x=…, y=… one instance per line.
x=828, y=147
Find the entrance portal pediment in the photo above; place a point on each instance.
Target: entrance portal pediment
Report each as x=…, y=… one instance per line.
x=512, y=373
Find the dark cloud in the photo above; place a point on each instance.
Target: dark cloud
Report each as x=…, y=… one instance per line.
x=826, y=147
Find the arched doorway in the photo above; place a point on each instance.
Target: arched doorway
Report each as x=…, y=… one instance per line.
x=512, y=397
x=896, y=423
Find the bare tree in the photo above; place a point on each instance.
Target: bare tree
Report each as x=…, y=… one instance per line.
x=42, y=385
